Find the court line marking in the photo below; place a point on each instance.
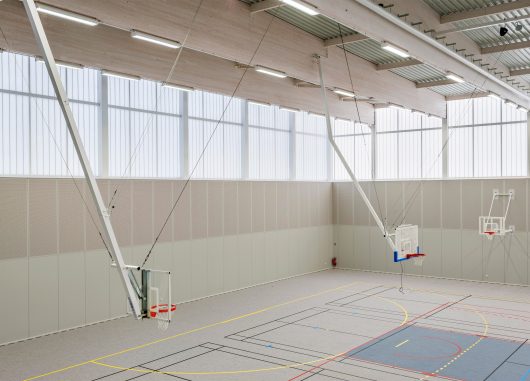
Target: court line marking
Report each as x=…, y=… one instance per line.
x=243, y=371
x=456, y=358
x=403, y=342
x=191, y=331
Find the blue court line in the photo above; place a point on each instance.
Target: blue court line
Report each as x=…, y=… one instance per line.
x=525, y=376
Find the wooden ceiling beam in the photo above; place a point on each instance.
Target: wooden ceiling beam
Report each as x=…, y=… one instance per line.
x=345, y=39
x=396, y=65
x=443, y=82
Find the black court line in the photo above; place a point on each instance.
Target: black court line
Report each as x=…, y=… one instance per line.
x=356, y=293
x=502, y=363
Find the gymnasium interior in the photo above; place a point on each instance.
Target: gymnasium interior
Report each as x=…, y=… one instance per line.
x=264, y=190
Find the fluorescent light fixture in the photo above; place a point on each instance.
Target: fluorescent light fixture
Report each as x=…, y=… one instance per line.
x=258, y=103
x=394, y=49
x=395, y=106
x=344, y=120
x=345, y=93
x=290, y=109
x=510, y=103
x=178, y=87
x=67, y=15
x=302, y=6
x=266, y=70
x=108, y=73
x=69, y=65
x=454, y=77
x=155, y=39
x=521, y=108
x=494, y=96
x=317, y=114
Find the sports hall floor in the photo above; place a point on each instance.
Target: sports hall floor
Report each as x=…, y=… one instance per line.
x=325, y=326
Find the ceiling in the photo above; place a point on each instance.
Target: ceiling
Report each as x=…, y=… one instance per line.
x=422, y=73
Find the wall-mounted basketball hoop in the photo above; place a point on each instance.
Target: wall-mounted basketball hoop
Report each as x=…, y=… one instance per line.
x=492, y=226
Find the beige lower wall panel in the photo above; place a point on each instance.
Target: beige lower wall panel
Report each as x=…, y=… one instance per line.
x=181, y=271
x=361, y=247
x=14, y=297
x=345, y=246
x=214, y=258
x=294, y=251
x=71, y=290
x=271, y=248
x=472, y=244
x=378, y=250
x=494, y=260
x=432, y=246
x=199, y=268
x=517, y=258
x=43, y=295
x=258, y=258
x=451, y=253
x=97, y=286
x=230, y=263
x=283, y=253
x=244, y=248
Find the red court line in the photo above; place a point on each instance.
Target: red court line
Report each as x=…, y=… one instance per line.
x=369, y=341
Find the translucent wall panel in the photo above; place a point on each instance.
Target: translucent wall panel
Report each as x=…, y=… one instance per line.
x=487, y=151
x=34, y=139
x=408, y=144
x=214, y=128
x=496, y=142
x=387, y=164
x=460, y=152
x=144, y=129
x=514, y=149
x=269, y=135
x=355, y=142
x=311, y=147
x=431, y=151
x=409, y=148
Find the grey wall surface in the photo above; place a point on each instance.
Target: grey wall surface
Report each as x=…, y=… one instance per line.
x=447, y=213
x=223, y=235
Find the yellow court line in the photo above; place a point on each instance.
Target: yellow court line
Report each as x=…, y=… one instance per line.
x=243, y=371
x=403, y=342
x=192, y=331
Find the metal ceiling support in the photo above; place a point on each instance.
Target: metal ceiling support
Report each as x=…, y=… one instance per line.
x=519, y=72
x=485, y=11
x=310, y=85
x=477, y=94
x=483, y=25
x=505, y=47
x=337, y=150
x=265, y=5
x=108, y=232
x=345, y=39
x=443, y=82
x=375, y=22
x=396, y=65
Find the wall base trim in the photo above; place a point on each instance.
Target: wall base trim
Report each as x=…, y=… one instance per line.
x=435, y=277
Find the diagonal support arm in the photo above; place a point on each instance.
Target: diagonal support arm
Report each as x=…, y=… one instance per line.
x=345, y=163
x=104, y=217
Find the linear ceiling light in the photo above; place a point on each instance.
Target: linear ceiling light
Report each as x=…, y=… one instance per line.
x=178, y=87
x=266, y=70
x=345, y=93
x=454, y=77
x=302, y=6
x=58, y=12
x=395, y=106
x=108, y=73
x=316, y=114
x=521, y=108
x=394, y=49
x=494, y=96
x=510, y=103
x=290, y=109
x=155, y=39
x=258, y=103
x=69, y=65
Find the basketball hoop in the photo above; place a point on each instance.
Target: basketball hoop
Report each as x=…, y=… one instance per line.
x=417, y=258
x=161, y=312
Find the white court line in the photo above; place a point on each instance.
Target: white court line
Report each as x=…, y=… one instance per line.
x=400, y=344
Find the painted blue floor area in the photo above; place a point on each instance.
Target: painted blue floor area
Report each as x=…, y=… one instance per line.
x=428, y=350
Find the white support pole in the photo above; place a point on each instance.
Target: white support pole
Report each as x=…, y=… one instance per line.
x=346, y=165
x=104, y=217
